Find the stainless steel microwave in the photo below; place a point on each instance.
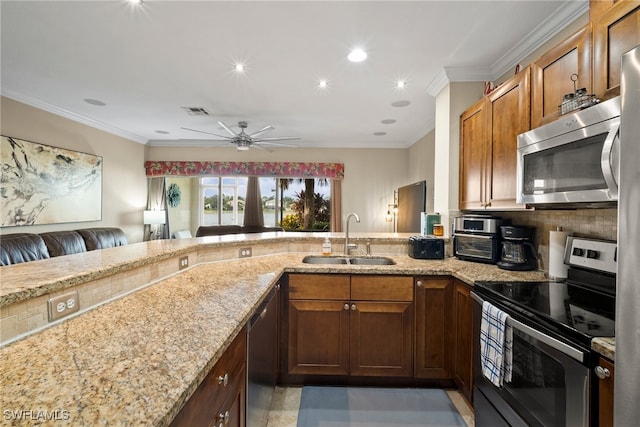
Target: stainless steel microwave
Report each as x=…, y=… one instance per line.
x=572, y=161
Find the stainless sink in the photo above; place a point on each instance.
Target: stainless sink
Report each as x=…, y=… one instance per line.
x=364, y=260
x=313, y=259
x=371, y=260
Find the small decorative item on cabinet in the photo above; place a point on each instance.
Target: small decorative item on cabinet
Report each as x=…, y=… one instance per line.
x=577, y=100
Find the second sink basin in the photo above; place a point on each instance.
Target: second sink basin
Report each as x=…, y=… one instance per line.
x=364, y=260
x=371, y=260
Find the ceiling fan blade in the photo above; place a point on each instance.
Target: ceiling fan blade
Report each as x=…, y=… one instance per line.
x=261, y=131
x=226, y=138
x=262, y=147
x=274, y=144
x=277, y=138
x=233, y=134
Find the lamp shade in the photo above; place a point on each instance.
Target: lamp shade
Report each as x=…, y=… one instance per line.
x=154, y=217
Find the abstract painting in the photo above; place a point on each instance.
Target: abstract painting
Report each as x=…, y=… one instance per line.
x=41, y=184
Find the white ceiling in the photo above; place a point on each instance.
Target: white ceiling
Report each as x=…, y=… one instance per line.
x=147, y=61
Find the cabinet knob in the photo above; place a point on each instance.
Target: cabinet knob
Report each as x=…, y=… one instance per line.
x=224, y=380
x=419, y=283
x=224, y=418
x=353, y=307
x=602, y=373
x=346, y=306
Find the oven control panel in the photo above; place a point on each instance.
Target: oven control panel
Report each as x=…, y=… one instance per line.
x=601, y=255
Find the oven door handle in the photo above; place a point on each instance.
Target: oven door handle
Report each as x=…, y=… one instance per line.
x=478, y=236
x=570, y=351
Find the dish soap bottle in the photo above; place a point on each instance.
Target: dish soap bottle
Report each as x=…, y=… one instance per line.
x=326, y=247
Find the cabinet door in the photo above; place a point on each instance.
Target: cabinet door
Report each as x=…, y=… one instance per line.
x=318, y=337
x=551, y=76
x=615, y=32
x=474, y=141
x=605, y=391
x=434, y=319
x=381, y=338
x=232, y=411
x=222, y=382
x=463, y=360
x=509, y=115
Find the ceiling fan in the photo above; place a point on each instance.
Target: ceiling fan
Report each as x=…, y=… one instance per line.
x=244, y=140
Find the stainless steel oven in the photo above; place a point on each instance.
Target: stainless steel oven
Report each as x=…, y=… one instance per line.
x=553, y=323
x=550, y=382
x=573, y=160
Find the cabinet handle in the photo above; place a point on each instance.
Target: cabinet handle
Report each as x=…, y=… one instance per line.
x=224, y=380
x=346, y=306
x=223, y=418
x=602, y=373
x=353, y=307
x=419, y=283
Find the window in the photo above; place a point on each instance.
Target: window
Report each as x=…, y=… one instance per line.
x=222, y=201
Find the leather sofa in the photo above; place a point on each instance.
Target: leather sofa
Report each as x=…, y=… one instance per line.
x=219, y=230
x=24, y=247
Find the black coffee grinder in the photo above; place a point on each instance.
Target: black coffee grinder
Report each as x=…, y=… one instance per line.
x=518, y=252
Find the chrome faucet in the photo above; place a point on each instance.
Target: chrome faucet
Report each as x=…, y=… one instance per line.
x=347, y=245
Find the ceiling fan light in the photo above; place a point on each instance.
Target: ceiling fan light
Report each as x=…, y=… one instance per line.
x=242, y=145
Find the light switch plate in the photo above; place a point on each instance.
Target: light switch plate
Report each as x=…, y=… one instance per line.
x=63, y=305
x=245, y=252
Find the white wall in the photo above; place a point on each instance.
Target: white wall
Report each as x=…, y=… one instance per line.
x=124, y=185
x=371, y=175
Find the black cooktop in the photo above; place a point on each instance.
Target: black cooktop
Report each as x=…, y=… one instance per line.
x=572, y=310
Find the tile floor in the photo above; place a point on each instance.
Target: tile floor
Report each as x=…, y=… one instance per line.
x=286, y=401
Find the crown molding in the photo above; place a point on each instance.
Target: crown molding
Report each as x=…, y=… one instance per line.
x=36, y=103
x=562, y=17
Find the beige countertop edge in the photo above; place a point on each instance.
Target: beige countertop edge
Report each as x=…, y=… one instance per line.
x=605, y=346
x=29, y=280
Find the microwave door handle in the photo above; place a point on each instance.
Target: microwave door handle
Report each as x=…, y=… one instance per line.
x=550, y=341
x=607, y=165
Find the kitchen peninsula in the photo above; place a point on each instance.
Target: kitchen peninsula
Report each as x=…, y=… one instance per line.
x=139, y=357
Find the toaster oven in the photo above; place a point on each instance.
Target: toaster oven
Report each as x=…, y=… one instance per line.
x=477, y=238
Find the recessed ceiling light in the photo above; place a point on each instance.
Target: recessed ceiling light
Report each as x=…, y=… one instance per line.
x=400, y=104
x=95, y=102
x=239, y=67
x=323, y=83
x=357, y=55
x=162, y=132
x=379, y=133
x=401, y=84
x=388, y=121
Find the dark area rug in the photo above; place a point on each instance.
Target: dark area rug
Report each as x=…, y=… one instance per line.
x=376, y=407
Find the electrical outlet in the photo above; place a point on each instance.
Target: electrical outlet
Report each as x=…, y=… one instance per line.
x=183, y=262
x=63, y=305
x=245, y=252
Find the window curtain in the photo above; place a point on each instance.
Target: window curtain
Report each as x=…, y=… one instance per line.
x=253, y=203
x=157, y=200
x=336, y=205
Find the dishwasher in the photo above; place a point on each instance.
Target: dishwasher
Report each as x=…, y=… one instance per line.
x=261, y=360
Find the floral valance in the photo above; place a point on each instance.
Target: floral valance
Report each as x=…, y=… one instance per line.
x=283, y=169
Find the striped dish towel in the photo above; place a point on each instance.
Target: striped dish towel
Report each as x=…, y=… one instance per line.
x=496, y=345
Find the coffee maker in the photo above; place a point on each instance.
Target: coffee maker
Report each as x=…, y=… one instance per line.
x=518, y=252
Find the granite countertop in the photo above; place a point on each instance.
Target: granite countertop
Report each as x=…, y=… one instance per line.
x=138, y=359
x=606, y=346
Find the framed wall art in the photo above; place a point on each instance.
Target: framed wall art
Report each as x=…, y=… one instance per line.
x=41, y=184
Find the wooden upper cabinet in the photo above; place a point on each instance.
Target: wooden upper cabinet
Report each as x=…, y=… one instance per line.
x=474, y=146
x=551, y=76
x=509, y=115
x=615, y=32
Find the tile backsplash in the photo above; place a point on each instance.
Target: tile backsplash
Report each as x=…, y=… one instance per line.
x=592, y=223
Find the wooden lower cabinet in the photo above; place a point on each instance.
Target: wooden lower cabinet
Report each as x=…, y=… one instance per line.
x=605, y=393
x=350, y=325
x=220, y=398
x=463, y=333
x=434, y=324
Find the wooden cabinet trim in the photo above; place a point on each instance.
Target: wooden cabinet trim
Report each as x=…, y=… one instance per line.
x=320, y=286
x=543, y=109
x=606, y=70
x=381, y=288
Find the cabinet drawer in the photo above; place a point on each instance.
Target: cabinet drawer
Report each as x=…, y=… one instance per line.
x=319, y=286
x=219, y=383
x=381, y=288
